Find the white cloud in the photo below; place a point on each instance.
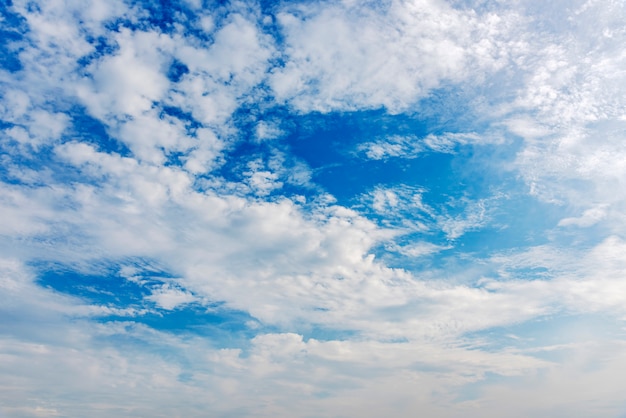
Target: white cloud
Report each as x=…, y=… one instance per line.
x=581, y=280
x=475, y=216
x=569, y=110
x=33, y=126
x=412, y=147
x=588, y=218
x=205, y=156
x=168, y=297
x=14, y=105
x=449, y=141
x=395, y=202
x=130, y=103
x=583, y=385
x=404, y=208
x=421, y=249
x=268, y=130
x=394, y=146
x=261, y=180
x=117, y=92
x=87, y=361
x=349, y=56
x=221, y=74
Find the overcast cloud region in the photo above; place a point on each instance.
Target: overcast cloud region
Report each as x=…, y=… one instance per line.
x=312, y=209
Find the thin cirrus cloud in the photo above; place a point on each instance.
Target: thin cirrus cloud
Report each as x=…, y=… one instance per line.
x=312, y=208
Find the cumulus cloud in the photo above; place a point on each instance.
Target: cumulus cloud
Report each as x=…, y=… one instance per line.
x=350, y=55
x=168, y=297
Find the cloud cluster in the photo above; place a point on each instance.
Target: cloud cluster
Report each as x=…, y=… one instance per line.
x=352, y=56
x=570, y=112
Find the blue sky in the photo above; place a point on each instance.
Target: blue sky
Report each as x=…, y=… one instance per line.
x=312, y=209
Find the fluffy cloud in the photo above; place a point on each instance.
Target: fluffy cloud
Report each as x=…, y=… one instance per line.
x=351, y=56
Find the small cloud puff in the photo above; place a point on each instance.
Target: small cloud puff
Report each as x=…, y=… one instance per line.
x=169, y=297
x=589, y=217
x=268, y=130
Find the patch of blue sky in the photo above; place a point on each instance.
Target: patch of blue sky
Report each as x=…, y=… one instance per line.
x=162, y=15
x=221, y=326
x=176, y=71
x=269, y=9
x=224, y=326
x=12, y=29
x=83, y=127
x=200, y=320
x=514, y=223
x=87, y=129
x=182, y=17
x=448, y=181
x=328, y=144
x=475, y=390
x=16, y=162
x=107, y=287
x=547, y=336
x=259, y=106
x=102, y=46
x=517, y=221
x=11, y=165
x=175, y=112
x=241, y=153
x=322, y=333
x=251, y=148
